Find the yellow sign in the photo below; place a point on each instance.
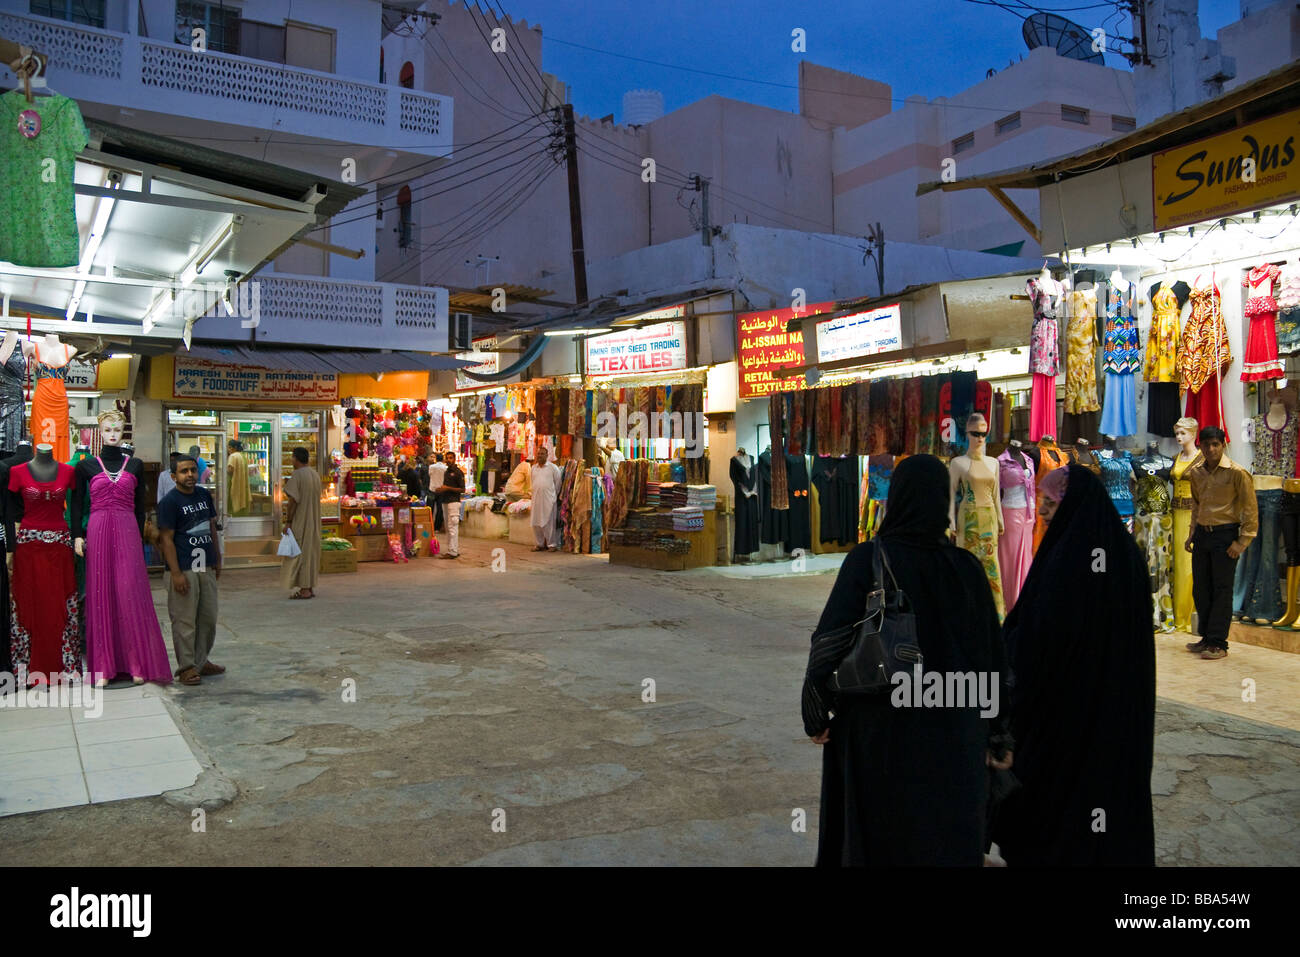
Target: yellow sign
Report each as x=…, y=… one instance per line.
x=1251, y=167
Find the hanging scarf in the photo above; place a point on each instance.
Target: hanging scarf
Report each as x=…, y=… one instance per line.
x=780, y=483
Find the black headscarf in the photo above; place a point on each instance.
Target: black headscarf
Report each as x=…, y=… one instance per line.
x=916, y=512
x=1083, y=708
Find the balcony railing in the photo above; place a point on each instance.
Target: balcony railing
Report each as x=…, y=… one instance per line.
x=122, y=70
x=338, y=313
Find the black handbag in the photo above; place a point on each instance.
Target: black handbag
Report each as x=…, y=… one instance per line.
x=884, y=642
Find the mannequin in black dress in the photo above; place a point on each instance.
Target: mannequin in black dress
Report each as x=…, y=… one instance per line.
x=744, y=480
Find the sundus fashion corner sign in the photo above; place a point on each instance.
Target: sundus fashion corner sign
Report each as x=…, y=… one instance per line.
x=1251, y=167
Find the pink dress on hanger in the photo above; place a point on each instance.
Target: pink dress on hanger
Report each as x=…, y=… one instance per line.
x=1044, y=357
x=1261, y=361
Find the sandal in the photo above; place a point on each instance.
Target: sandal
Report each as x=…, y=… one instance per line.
x=190, y=676
x=299, y=595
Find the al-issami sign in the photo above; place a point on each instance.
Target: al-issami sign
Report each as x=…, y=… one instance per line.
x=764, y=345
x=657, y=348
x=1251, y=167
x=201, y=379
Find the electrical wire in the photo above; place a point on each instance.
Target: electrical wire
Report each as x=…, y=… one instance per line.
x=521, y=54
x=463, y=75
x=506, y=64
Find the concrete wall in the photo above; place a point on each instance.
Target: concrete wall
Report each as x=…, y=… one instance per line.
x=839, y=98
x=1267, y=37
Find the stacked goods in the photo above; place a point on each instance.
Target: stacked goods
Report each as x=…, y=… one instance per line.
x=331, y=544
x=652, y=494
x=687, y=519
x=672, y=495
x=702, y=496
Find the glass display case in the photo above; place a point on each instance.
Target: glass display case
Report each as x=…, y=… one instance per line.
x=256, y=435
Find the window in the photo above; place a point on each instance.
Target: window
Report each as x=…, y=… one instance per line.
x=1008, y=123
x=88, y=12
x=1123, y=124
x=1074, y=114
x=261, y=41
x=406, y=226
x=962, y=143
x=311, y=48
x=220, y=24
x=407, y=77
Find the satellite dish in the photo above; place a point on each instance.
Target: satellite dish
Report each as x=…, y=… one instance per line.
x=1065, y=36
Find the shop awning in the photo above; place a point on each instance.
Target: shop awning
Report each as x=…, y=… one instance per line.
x=157, y=213
x=306, y=360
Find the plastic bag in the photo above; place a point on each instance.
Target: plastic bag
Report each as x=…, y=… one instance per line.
x=288, y=546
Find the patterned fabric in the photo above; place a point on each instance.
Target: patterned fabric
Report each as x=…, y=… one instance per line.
x=894, y=424
x=1288, y=317
x=1205, y=340
x=1044, y=350
x=911, y=416
x=780, y=481
x=1182, y=582
x=1275, y=449
x=863, y=420
x=879, y=418
x=979, y=536
x=1162, y=343
x=1154, y=532
x=1012, y=474
x=47, y=536
x=13, y=422
x=1081, y=362
x=1116, y=475
x=1260, y=361
x=1120, y=349
x=927, y=442
x=1152, y=494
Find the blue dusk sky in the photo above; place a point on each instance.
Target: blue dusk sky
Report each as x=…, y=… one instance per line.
x=931, y=47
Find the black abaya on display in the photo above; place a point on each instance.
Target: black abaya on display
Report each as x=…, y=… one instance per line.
x=1083, y=705
x=744, y=479
x=909, y=786
x=837, y=496
x=774, y=526
x=800, y=529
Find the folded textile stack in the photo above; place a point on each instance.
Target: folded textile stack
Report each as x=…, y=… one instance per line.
x=476, y=503
x=687, y=519
x=672, y=495
x=664, y=522
x=673, y=546
x=702, y=496
x=523, y=505
x=652, y=494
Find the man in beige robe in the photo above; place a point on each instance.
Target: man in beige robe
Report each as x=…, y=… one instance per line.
x=302, y=489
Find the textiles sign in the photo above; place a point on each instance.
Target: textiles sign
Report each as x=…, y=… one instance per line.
x=657, y=348
x=1253, y=166
x=488, y=362
x=861, y=334
x=201, y=379
x=764, y=345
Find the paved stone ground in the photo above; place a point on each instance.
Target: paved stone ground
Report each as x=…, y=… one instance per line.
x=522, y=691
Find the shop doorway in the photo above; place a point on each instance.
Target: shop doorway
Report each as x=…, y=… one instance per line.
x=252, y=499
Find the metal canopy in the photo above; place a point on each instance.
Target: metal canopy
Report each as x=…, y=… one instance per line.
x=307, y=360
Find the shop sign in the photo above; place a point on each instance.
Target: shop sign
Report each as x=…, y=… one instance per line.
x=1251, y=167
x=82, y=376
x=764, y=345
x=861, y=334
x=487, y=359
x=657, y=348
x=201, y=379
x=254, y=428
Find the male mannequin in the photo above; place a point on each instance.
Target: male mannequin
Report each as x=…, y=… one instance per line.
x=975, y=504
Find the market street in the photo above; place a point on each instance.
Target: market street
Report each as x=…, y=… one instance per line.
x=522, y=690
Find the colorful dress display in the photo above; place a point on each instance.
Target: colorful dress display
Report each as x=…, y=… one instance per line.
x=1081, y=359
x=1288, y=304
x=1162, y=362
x=13, y=419
x=1257, y=589
x=122, y=633
x=1044, y=356
x=1019, y=503
x=1204, y=357
x=1050, y=458
x=1117, y=476
x=49, y=424
x=1121, y=362
x=1182, y=557
x=977, y=522
x=1261, y=361
x=44, y=610
x=1153, y=526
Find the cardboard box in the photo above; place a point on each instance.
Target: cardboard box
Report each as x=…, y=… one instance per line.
x=371, y=548
x=333, y=562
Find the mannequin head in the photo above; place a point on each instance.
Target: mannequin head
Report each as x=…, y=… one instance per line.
x=111, y=426
x=1185, y=432
x=977, y=430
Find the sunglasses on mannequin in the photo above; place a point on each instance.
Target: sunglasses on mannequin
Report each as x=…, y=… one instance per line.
x=979, y=435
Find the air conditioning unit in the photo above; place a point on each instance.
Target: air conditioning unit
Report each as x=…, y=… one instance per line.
x=461, y=334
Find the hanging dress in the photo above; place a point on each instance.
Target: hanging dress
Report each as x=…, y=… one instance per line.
x=1204, y=357
x=1050, y=459
x=1257, y=591
x=44, y=612
x=1117, y=476
x=1162, y=362
x=13, y=420
x=977, y=523
x=1153, y=527
x=1019, y=503
x=1081, y=402
x=1260, y=361
x=122, y=633
x=1288, y=304
x=1044, y=357
x=1121, y=362
x=1182, y=557
x=744, y=480
x=49, y=423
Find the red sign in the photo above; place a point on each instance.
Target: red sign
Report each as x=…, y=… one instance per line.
x=763, y=345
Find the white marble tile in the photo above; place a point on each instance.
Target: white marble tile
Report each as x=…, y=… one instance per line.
x=124, y=729
x=115, y=708
x=18, y=719
x=42, y=793
x=37, y=738
x=116, y=755
x=38, y=764
x=152, y=779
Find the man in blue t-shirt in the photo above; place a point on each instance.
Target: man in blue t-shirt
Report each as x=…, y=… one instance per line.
x=187, y=533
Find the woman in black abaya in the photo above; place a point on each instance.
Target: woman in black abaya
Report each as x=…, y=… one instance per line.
x=1083, y=705
x=908, y=786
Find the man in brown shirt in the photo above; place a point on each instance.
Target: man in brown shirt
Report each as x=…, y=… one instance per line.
x=1225, y=518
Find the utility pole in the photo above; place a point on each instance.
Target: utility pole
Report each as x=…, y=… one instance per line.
x=706, y=230
x=575, y=206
